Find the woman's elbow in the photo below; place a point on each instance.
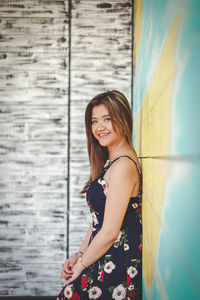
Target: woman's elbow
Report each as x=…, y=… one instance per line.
x=110, y=235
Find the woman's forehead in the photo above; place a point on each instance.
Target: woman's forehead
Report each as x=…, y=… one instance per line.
x=99, y=110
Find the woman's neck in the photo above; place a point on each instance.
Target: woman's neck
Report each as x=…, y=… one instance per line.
x=118, y=150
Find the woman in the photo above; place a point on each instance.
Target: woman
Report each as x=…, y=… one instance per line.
x=108, y=264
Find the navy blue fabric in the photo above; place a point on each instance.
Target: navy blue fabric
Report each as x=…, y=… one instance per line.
x=118, y=273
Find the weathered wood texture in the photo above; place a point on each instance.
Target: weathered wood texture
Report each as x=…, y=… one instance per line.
x=100, y=61
x=34, y=45
x=33, y=145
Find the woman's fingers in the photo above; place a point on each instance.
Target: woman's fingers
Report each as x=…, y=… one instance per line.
x=68, y=266
x=65, y=275
x=66, y=271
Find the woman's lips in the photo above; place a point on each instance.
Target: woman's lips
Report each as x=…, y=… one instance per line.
x=103, y=134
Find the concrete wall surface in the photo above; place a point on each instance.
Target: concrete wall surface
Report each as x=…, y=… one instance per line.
x=166, y=136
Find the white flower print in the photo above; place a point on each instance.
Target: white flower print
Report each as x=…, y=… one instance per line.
x=109, y=266
x=119, y=292
x=132, y=271
x=118, y=237
x=94, y=217
x=68, y=291
x=126, y=247
x=131, y=287
x=104, y=185
x=135, y=205
x=95, y=292
x=107, y=163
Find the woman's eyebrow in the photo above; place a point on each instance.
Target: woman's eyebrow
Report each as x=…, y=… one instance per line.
x=102, y=116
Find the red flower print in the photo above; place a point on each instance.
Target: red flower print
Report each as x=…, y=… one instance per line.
x=62, y=292
x=102, y=275
x=128, y=280
x=84, y=282
x=132, y=294
x=140, y=247
x=75, y=296
x=139, y=209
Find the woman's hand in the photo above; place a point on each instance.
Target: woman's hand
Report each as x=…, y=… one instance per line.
x=68, y=265
x=77, y=270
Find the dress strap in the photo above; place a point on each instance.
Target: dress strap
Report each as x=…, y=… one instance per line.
x=111, y=162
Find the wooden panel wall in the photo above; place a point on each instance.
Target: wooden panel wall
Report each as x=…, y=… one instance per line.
x=100, y=61
x=34, y=145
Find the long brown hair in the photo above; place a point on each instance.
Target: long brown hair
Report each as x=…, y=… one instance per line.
x=121, y=118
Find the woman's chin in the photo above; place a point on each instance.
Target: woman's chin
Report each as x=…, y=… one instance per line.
x=103, y=143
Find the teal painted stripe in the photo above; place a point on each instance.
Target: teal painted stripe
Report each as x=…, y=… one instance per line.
x=178, y=253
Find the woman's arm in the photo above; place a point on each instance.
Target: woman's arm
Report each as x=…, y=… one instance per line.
x=66, y=271
x=122, y=181
x=86, y=239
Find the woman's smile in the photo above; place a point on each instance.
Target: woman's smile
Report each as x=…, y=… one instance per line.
x=103, y=134
x=102, y=128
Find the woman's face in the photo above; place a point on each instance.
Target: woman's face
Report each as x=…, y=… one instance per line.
x=102, y=128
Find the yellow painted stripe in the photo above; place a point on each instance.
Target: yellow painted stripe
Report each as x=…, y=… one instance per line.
x=137, y=28
x=153, y=127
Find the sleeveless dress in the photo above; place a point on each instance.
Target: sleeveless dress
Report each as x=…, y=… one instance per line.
x=118, y=273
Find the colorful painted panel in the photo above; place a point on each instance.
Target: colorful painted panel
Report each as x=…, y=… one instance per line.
x=166, y=136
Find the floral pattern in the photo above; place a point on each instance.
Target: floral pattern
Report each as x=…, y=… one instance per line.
x=93, y=213
x=94, y=218
x=119, y=292
x=84, y=282
x=118, y=273
x=68, y=291
x=104, y=185
x=106, y=267
x=75, y=296
x=94, y=293
x=109, y=266
x=132, y=271
x=121, y=239
x=126, y=247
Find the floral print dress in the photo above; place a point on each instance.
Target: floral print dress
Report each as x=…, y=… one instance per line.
x=118, y=273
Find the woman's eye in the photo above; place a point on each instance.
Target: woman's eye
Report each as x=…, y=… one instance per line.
x=93, y=122
x=107, y=119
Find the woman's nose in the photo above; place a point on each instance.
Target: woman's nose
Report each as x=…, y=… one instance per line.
x=100, y=125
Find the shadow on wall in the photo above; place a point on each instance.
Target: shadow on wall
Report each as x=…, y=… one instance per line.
x=166, y=114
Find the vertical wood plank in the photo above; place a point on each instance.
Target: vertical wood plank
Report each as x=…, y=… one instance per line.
x=100, y=61
x=34, y=128
x=33, y=145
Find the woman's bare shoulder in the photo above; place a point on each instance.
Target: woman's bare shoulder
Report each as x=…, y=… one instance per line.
x=123, y=168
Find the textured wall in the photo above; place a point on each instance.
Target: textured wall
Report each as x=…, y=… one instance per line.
x=166, y=114
x=33, y=145
x=35, y=107
x=100, y=60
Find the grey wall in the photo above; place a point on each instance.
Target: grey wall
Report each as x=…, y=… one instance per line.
x=36, y=106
